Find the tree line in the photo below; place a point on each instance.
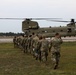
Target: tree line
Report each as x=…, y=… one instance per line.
x=10, y=34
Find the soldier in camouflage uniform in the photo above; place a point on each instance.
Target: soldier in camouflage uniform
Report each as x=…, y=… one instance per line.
x=25, y=44
x=29, y=43
x=39, y=48
x=44, y=49
x=33, y=35
x=21, y=41
x=55, y=49
x=15, y=41
x=35, y=46
x=18, y=41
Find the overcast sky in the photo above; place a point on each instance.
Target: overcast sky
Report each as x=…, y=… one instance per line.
x=65, y=9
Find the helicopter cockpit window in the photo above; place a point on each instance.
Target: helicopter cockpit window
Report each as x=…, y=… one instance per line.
x=69, y=30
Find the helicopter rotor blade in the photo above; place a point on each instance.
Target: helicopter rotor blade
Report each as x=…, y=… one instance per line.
x=30, y=18
x=12, y=18
x=71, y=21
x=46, y=18
x=58, y=21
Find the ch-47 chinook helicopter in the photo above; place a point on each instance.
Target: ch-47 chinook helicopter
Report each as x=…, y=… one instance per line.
x=29, y=26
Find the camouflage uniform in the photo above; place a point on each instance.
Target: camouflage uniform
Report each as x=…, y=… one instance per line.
x=55, y=50
x=25, y=44
x=35, y=46
x=15, y=41
x=39, y=48
x=20, y=39
x=44, y=50
x=29, y=43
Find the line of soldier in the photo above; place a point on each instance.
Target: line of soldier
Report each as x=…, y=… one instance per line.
x=39, y=47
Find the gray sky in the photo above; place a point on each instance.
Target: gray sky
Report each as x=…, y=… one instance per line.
x=65, y=9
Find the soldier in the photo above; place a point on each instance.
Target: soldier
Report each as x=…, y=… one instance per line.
x=33, y=35
x=18, y=41
x=39, y=48
x=25, y=43
x=29, y=43
x=35, y=46
x=44, y=49
x=55, y=49
x=21, y=42
x=15, y=41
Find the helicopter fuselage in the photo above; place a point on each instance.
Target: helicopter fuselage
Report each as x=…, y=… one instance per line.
x=29, y=27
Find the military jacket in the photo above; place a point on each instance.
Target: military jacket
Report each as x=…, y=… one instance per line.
x=55, y=44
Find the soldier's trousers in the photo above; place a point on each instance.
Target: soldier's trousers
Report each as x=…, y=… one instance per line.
x=44, y=55
x=55, y=56
x=25, y=49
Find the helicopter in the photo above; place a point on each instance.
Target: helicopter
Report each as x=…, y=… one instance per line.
x=30, y=26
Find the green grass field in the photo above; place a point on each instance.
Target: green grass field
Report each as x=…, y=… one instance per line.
x=14, y=62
